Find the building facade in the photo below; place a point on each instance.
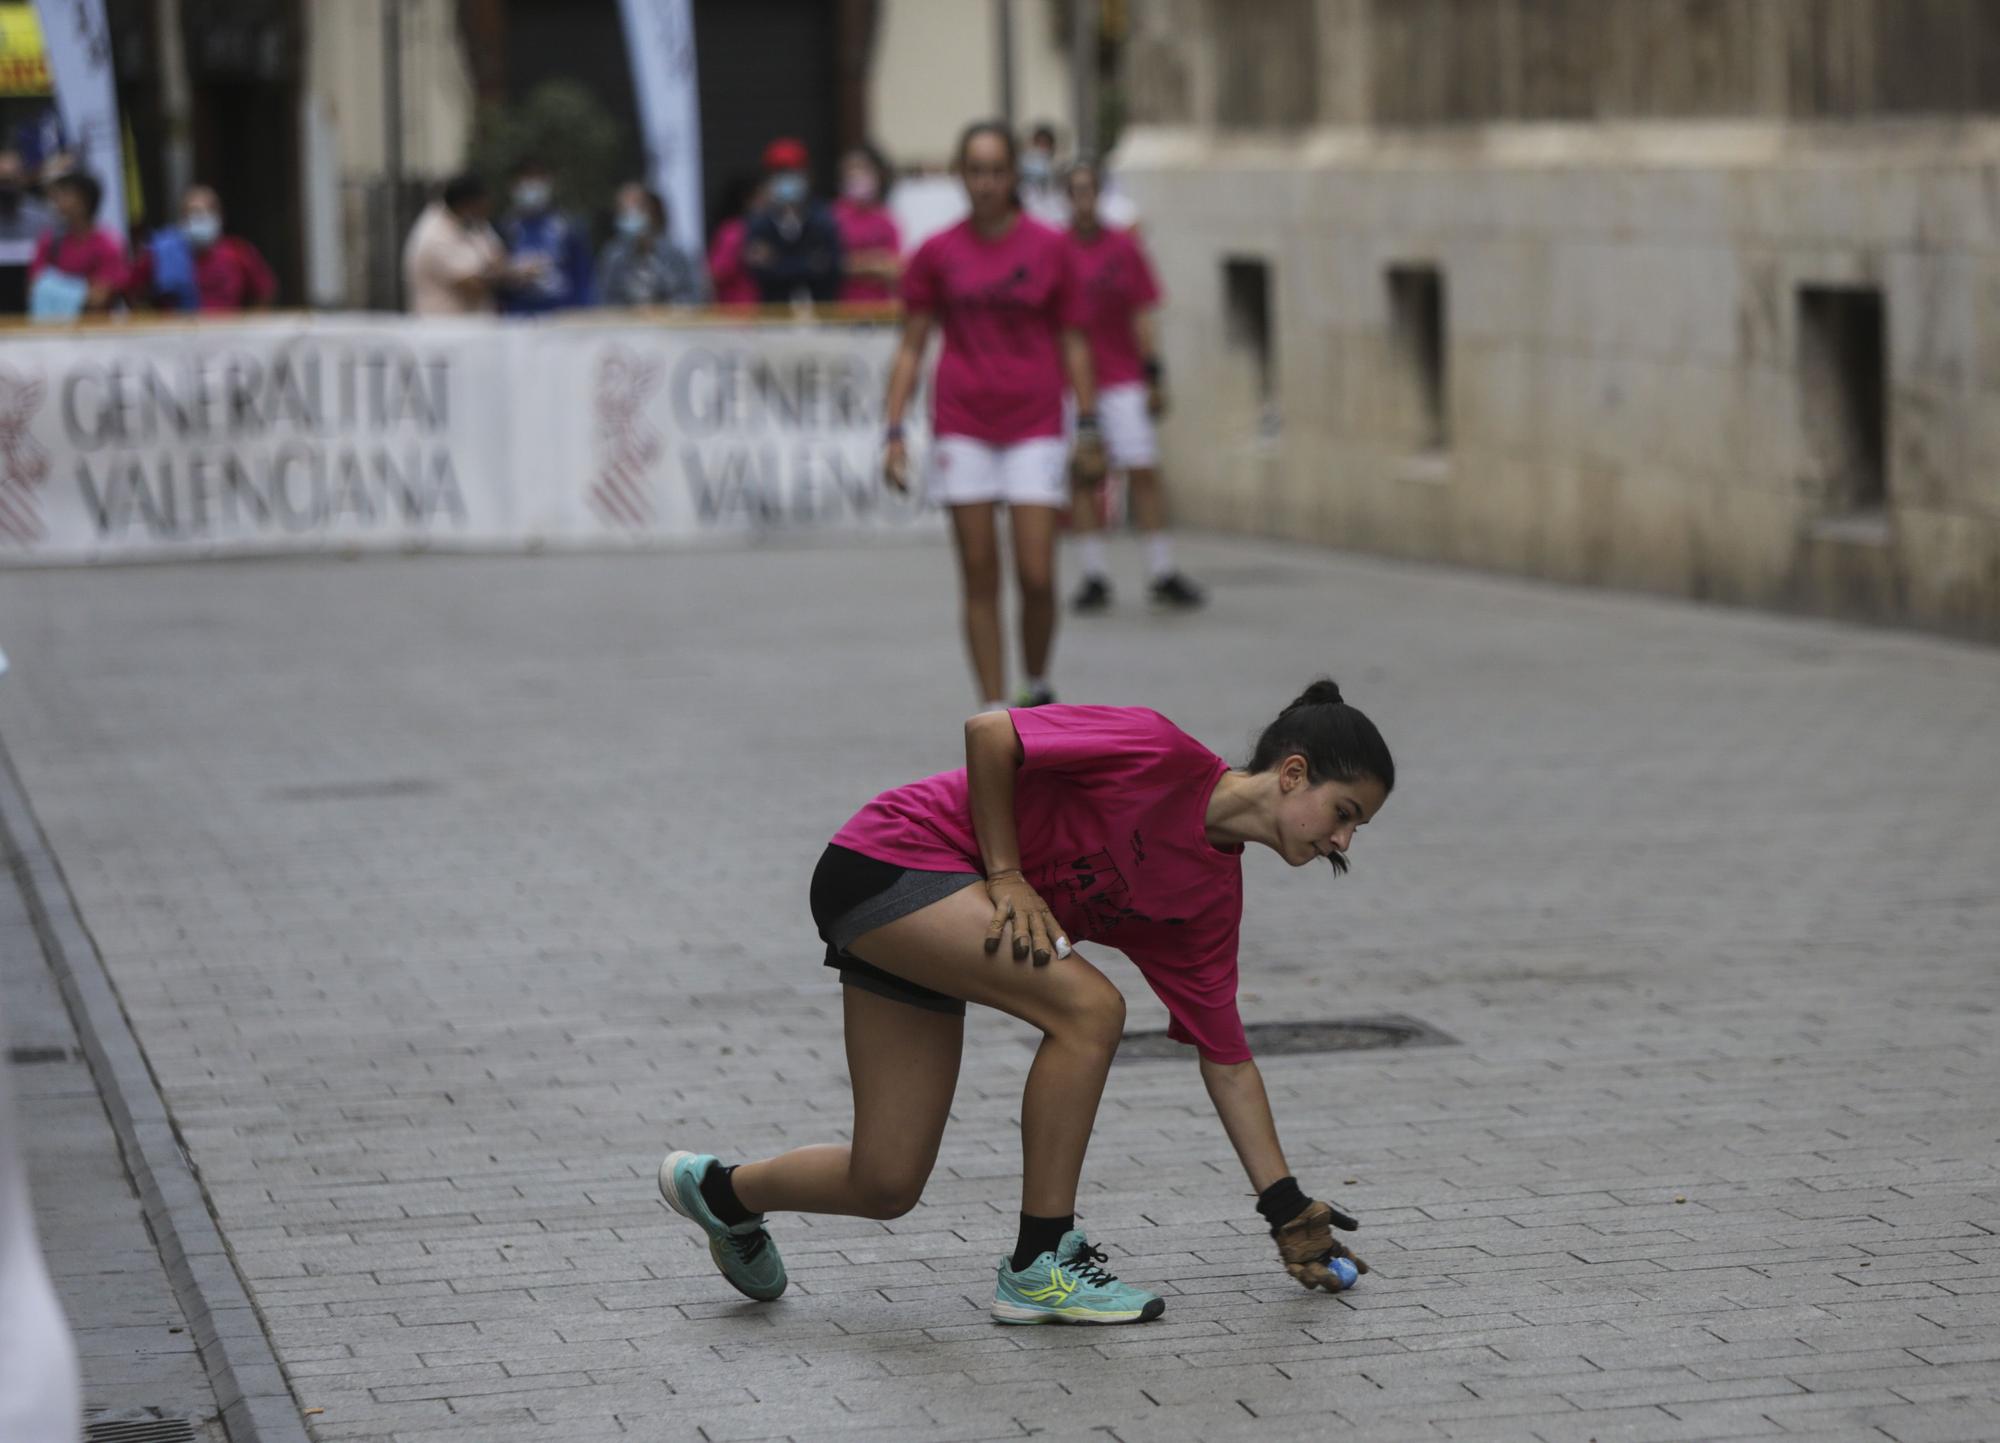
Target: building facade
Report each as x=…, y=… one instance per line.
x=1691, y=296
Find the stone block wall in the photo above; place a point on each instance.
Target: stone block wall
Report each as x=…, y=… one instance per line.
x=1754, y=362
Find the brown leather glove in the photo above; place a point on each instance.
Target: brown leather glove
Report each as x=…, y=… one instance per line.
x=1307, y=1245
x=1088, y=463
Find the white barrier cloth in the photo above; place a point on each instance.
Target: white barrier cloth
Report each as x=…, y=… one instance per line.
x=314, y=434
x=271, y=437
x=723, y=432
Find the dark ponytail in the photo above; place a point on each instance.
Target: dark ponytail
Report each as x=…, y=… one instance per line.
x=1337, y=741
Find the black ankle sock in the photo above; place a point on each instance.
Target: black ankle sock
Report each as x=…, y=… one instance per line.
x=720, y=1195
x=1038, y=1236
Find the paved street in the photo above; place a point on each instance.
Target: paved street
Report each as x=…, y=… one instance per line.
x=445, y=893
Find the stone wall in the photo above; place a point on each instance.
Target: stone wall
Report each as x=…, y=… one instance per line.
x=1457, y=62
x=1755, y=360
x=1655, y=363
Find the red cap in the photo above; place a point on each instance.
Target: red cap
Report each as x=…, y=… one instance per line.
x=785, y=153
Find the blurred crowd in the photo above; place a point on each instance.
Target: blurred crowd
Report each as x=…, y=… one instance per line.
x=524, y=252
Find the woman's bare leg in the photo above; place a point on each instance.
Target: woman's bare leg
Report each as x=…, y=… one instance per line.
x=1080, y=1013
x=903, y=1062
x=1035, y=571
x=975, y=533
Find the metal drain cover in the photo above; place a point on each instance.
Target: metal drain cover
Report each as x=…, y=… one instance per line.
x=142, y=1425
x=28, y=1056
x=1290, y=1039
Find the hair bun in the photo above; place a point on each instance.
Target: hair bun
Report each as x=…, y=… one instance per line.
x=1321, y=693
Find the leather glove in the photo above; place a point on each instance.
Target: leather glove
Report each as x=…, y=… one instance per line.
x=1307, y=1245
x=1088, y=464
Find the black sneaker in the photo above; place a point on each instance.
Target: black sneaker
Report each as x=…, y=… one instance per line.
x=1091, y=597
x=1176, y=591
x=1033, y=696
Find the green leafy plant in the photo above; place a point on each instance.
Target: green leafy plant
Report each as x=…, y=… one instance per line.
x=561, y=123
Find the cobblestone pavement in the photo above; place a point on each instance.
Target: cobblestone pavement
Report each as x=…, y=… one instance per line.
x=445, y=893
x=135, y=1353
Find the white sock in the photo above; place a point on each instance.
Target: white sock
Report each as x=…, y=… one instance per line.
x=993, y=706
x=1159, y=555
x=1091, y=549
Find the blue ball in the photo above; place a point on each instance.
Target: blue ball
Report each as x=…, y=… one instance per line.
x=1344, y=1270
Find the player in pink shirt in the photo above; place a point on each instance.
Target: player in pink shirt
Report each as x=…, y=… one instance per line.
x=1068, y=824
x=1002, y=289
x=1120, y=292
x=869, y=241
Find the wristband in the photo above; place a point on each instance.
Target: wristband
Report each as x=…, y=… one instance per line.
x=1282, y=1201
x=1155, y=372
x=1086, y=421
x=894, y=433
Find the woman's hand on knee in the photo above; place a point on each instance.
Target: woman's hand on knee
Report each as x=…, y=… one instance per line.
x=1019, y=908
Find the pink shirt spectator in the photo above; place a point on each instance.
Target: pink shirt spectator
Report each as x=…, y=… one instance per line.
x=230, y=275
x=1117, y=283
x=1003, y=304
x=734, y=285
x=866, y=228
x=1111, y=805
x=96, y=256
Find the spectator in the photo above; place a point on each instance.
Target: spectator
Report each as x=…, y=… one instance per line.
x=79, y=268
x=23, y=216
x=868, y=235
x=733, y=284
x=1041, y=180
x=195, y=267
x=549, y=251
x=792, y=248
x=453, y=261
x=642, y=266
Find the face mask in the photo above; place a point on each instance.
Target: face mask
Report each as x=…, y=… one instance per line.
x=203, y=229
x=532, y=195
x=631, y=222
x=1037, y=167
x=860, y=188
x=788, y=188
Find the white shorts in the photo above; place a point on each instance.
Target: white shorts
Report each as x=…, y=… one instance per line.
x=1034, y=472
x=1126, y=424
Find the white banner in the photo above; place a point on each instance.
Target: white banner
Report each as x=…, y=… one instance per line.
x=77, y=45
x=272, y=437
x=332, y=434
x=659, y=37
x=704, y=432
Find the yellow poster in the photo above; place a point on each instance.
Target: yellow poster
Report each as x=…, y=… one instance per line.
x=23, y=71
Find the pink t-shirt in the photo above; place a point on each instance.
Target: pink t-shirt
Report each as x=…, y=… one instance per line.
x=96, y=256
x=1118, y=283
x=733, y=283
x=866, y=228
x=1004, y=304
x=1111, y=805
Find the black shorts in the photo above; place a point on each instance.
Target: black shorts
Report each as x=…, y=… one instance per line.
x=853, y=895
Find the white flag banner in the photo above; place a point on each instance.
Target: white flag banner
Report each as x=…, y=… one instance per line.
x=659, y=36
x=352, y=433
x=299, y=435
x=77, y=45
x=654, y=433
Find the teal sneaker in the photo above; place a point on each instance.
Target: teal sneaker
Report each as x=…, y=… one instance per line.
x=1070, y=1285
x=744, y=1254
